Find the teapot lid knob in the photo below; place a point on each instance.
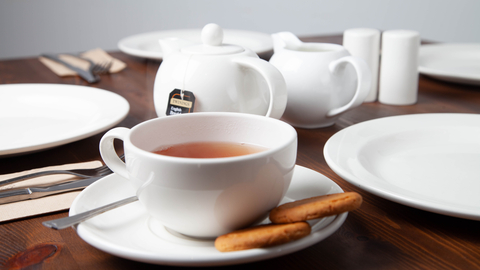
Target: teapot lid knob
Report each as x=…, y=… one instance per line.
x=212, y=34
x=212, y=43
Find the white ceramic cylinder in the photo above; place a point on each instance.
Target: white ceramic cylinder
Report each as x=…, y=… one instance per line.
x=365, y=43
x=398, y=83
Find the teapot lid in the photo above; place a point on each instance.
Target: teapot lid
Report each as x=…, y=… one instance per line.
x=212, y=38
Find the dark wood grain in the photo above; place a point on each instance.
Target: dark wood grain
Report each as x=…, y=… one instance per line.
x=380, y=235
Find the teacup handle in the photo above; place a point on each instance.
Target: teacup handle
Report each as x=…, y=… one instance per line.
x=275, y=81
x=364, y=81
x=107, y=150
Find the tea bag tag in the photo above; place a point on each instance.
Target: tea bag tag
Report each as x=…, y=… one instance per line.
x=180, y=102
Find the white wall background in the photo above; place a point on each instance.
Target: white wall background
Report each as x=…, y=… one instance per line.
x=31, y=27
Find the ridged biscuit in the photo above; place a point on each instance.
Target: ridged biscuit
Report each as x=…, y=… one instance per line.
x=316, y=207
x=262, y=236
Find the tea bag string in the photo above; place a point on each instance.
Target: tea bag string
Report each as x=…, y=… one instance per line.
x=185, y=76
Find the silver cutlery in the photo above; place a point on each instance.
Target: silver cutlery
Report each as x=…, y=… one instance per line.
x=85, y=74
x=66, y=222
x=84, y=173
x=101, y=68
x=22, y=194
x=97, y=68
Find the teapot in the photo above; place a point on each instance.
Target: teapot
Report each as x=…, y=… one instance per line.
x=323, y=80
x=216, y=77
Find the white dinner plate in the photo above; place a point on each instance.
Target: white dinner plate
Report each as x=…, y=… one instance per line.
x=35, y=117
x=453, y=62
x=146, y=45
x=426, y=161
x=130, y=233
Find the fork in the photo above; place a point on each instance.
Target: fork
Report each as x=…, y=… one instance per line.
x=82, y=173
x=86, y=75
x=100, y=68
x=96, y=68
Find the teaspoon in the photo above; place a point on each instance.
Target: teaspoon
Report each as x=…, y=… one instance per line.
x=66, y=222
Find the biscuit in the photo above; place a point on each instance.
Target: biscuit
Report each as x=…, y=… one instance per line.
x=262, y=236
x=316, y=207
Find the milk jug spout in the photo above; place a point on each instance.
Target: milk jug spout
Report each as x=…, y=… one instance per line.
x=285, y=40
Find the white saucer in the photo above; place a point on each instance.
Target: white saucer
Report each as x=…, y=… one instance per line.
x=426, y=161
x=129, y=232
x=451, y=62
x=35, y=117
x=146, y=45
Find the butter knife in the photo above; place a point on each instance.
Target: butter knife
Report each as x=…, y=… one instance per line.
x=87, y=75
x=22, y=194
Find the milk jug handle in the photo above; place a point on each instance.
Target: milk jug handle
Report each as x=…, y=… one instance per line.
x=275, y=82
x=364, y=81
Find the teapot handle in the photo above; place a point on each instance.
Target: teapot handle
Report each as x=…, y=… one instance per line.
x=275, y=81
x=364, y=81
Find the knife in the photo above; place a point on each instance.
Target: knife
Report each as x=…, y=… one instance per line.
x=22, y=194
x=87, y=75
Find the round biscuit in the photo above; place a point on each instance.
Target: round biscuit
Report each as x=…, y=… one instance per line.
x=316, y=207
x=262, y=236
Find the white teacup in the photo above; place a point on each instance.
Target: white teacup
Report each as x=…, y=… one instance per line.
x=206, y=197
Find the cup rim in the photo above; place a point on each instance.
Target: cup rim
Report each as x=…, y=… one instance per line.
x=222, y=160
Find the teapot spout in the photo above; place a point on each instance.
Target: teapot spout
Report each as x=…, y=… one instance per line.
x=285, y=40
x=173, y=45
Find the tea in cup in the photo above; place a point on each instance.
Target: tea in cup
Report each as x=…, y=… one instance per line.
x=323, y=80
x=206, y=174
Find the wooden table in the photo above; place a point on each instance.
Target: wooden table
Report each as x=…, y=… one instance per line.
x=380, y=235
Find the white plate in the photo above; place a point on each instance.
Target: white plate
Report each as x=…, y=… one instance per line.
x=458, y=63
x=128, y=232
x=426, y=161
x=146, y=45
x=39, y=116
